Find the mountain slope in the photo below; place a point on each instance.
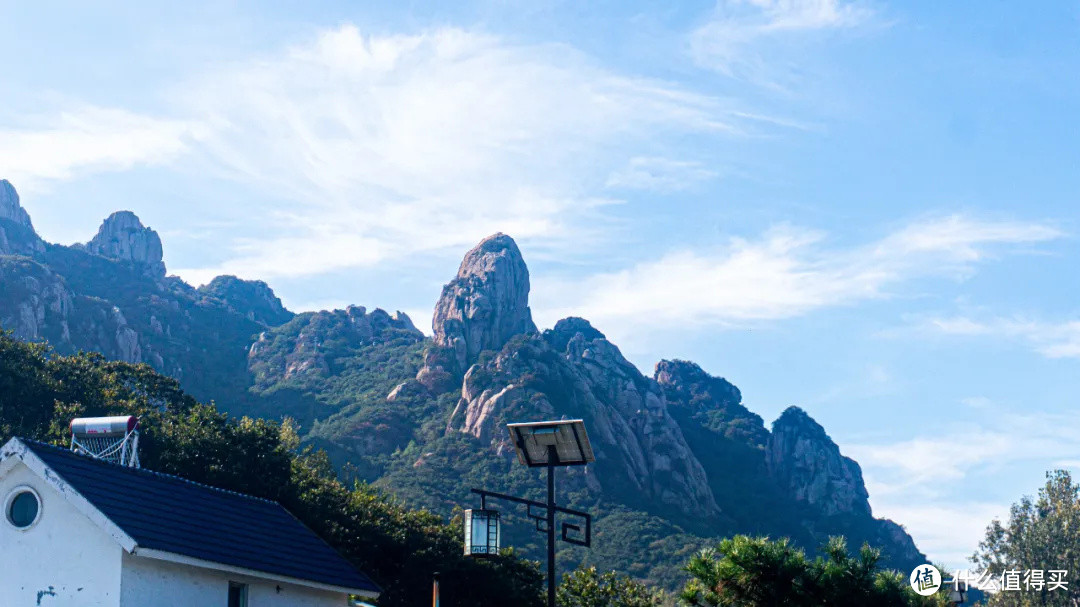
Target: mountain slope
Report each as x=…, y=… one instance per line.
x=681, y=460
x=399, y=547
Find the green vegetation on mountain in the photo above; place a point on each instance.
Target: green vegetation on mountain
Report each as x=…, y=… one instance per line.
x=41, y=392
x=681, y=460
x=326, y=367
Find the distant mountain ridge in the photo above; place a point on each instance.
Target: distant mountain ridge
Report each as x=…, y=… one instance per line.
x=680, y=459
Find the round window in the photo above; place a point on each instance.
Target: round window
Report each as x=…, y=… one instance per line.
x=23, y=509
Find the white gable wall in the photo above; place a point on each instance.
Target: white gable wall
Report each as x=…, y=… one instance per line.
x=62, y=560
x=148, y=581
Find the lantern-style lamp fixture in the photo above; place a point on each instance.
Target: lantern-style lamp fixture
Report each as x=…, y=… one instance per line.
x=482, y=532
x=552, y=443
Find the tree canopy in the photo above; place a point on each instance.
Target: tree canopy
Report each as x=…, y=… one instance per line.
x=585, y=587
x=398, y=547
x=1042, y=534
x=759, y=572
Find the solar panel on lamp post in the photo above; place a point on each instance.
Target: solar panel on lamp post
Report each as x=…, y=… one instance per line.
x=547, y=444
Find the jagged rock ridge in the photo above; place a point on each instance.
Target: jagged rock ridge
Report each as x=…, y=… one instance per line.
x=717, y=401
x=301, y=347
x=637, y=443
x=110, y=295
x=637, y=423
x=37, y=303
x=680, y=445
x=254, y=299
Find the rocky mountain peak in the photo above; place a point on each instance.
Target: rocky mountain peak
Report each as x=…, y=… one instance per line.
x=567, y=330
x=10, y=208
x=679, y=371
x=796, y=419
x=713, y=401
x=122, y=236
x=687, y=376
x=17, y=235
x=683, y=373
x=802, y=458
x=487, y=303
x=251, y=298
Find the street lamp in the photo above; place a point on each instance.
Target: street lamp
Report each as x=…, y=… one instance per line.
x=549, y=445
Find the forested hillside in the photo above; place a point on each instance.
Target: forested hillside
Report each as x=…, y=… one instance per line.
x=400, y=548
x=681, y=459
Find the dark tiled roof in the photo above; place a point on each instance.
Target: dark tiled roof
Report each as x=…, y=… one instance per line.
x=172, y=514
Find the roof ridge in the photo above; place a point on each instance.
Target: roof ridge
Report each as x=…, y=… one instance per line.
x=147, y=471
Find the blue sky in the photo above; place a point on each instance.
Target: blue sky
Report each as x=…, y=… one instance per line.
x=866, y=209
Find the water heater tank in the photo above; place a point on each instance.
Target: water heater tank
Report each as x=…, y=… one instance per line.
x=118, y=426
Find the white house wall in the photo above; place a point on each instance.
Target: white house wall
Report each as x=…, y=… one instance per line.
x=62, y=560
x=148, y=581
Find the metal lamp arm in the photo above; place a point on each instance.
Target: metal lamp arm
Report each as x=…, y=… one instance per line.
x=530, y=504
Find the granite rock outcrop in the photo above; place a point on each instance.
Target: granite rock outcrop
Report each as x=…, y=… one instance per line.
x=253, y=299
x=803, y=459
x=123, y=237
x=17, y=235
x=486, y=303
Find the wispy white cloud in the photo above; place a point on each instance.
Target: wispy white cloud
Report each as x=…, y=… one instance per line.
x=85, y=139
x=870, y=380
x=318, y=249
x=660, y=174
x=965, y=239
x=367, y=148
x=923, y=461
x=760, y=40
x=371, y=148
x=811, y=14
x=924, y=465
x=976, y=402
x=948, y=533
x=1051, y=339
x=787, y=272
x=923, y=481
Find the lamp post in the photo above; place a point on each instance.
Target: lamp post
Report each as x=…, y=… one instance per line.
x=548, y=445
x=435, y=589
x=958, y=594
